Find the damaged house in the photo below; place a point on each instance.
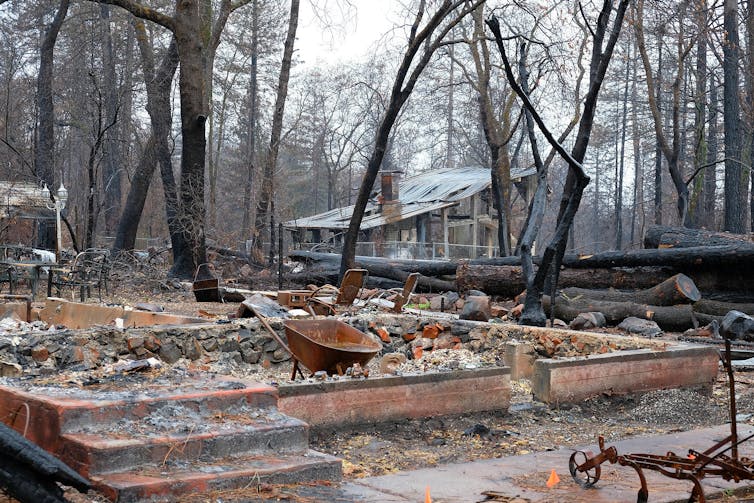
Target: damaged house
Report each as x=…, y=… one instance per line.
x=446, y=213
x=21, y=206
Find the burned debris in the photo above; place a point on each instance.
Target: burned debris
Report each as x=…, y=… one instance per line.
x=464, y=349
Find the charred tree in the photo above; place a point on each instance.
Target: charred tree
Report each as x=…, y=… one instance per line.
x=30, y=474
x=425, y=41
x=195, y=55
x=577, y=180
x=156, y=151
x=266, y=202
x=44, y=153
x=734, y=214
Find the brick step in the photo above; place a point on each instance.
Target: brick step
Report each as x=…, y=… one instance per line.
x=68, y=408
x=127, y=447
x=170, y=482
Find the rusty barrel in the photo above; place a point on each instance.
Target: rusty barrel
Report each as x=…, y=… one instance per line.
x=327, y=344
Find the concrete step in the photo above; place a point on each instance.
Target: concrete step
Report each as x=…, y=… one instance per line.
x=60, y=408
x=169, y=483
x=129, y=445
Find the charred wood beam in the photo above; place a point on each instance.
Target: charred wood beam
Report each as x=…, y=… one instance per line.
x=423, y=267
x=509, y=281
x=698, y=257
x=30, y=474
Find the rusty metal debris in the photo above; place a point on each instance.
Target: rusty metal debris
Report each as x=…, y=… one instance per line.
x=350, y=287
x=328, y=345
x=206, y=287
x=294, y=298
x=720, y=460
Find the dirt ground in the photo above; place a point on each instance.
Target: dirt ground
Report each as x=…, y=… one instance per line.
x=376, y=449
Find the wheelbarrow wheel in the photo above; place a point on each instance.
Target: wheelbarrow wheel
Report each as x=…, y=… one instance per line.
x=585, y=478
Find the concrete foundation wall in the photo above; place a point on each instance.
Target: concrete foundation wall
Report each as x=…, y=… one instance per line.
x=397, y=397
x=574, y=379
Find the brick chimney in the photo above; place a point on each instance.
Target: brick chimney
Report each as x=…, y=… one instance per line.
x=390, y=182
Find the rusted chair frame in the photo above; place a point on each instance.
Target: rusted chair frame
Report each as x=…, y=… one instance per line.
x=403, y=296
x=350, y=287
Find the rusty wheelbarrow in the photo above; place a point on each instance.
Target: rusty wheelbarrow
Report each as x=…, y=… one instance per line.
x=328, y=345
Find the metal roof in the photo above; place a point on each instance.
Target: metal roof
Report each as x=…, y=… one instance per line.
x=419, y=194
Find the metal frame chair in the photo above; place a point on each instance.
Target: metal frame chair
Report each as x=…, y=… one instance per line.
x=350, y=287
x=89, y=269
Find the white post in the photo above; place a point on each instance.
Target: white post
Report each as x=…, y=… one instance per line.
x=59, y=246
x=445, y=232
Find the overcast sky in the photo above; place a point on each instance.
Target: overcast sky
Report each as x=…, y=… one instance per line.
x=353, y=34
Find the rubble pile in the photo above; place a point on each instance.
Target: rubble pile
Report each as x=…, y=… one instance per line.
x=35, y=349
x=243, y=347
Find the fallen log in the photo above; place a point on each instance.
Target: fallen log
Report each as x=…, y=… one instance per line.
x=678, y=289
x=718, y=308
x=508, y=281
x=330, y=277
x=660, y=236
x=684, y=259
x=425, y=284
x=227, y=252
x=423, y=267
x=669, y=318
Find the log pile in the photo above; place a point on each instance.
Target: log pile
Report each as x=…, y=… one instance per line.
x=686, y=278
x=383, y=273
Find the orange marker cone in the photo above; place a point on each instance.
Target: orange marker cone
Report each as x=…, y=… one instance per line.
x=427, y=497
x=553, y=480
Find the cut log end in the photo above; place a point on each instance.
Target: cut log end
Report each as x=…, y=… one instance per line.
x=686, y=288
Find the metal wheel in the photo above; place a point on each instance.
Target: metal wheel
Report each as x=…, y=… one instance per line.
x=585, y=478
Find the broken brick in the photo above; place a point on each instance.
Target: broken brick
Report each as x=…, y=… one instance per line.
x=384, y=335
x=430, y=332
x=40, y=353
x=152, y=343
x=134, y=341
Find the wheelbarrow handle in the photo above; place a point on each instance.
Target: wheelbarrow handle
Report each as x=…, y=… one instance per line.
x=198, y=268
x=270, y=330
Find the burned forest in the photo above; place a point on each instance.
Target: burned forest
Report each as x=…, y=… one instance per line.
x=382, y=252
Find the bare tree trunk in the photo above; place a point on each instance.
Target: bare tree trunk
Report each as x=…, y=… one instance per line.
x=112, y=159
x=156, y=151
x=638, y=193
x=750, y=99
x=697, y=216
x=671, y=149
x=251, y=131
x=44, y=159
x=658, y=146
x=734, y=214
x=495, y=133
x=619, y=191
x=265, y=204
x=710, y=173
x=539, y=201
